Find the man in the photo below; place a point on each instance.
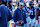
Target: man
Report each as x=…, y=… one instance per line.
x=30, y=11
x=5, y=15
x=20, y=16
x=38, y=15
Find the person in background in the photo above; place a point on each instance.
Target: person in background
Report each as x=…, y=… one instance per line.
x=39, y=20
x=19, y=16
x=36, y=21
x=38, y=15
x=5, y=15
x=30, y=11
x=9, y=6
x=28, y=19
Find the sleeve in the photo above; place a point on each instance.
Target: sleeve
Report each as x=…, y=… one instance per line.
x=0, y=11
x=28, y=20
x=10, y=15
x=15, y=16
x=25, y=19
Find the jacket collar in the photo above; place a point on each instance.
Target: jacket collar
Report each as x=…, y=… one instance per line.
x=2, y=5
x=20, y=9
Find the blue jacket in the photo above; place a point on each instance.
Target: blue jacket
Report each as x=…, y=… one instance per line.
x=19, y=15
x=5, y=16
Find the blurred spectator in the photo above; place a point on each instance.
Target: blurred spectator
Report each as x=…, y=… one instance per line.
x=9, y=6
x=30, y=10
x=5, y=15
x=19, y=15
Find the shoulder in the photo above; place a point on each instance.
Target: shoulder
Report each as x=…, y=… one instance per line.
x=17, y=9
x=0, y=8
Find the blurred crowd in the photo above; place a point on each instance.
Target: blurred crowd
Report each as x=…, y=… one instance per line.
x=21, y=13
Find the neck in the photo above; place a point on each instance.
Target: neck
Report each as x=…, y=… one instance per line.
x=30, y=7
x=21, y=9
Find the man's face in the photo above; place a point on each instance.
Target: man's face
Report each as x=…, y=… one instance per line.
x=31, y=5
x=0, y=3
x=21, y=6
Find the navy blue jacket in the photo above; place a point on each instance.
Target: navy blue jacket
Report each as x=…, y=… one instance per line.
x=5, y=16
x=19, y=15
